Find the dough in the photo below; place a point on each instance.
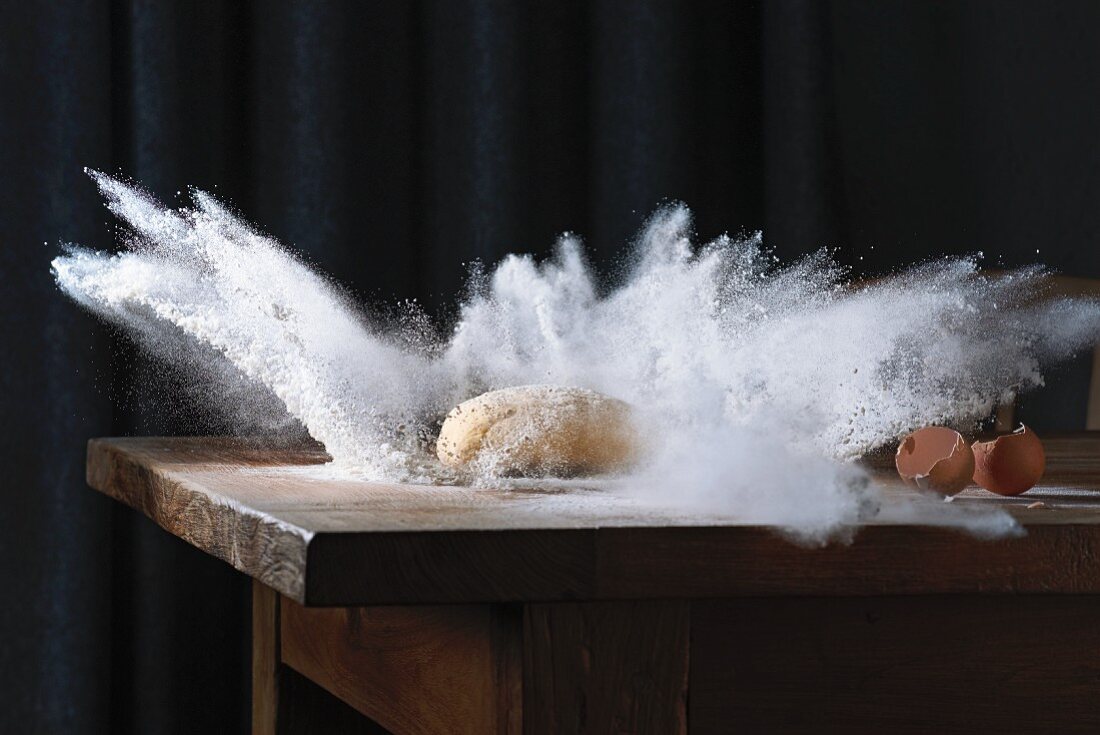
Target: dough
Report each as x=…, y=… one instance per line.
x=539, y=430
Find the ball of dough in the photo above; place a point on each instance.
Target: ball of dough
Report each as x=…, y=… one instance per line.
x=535, y=430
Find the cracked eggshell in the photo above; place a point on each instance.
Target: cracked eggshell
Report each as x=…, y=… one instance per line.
x=1010, y=464
x=935, y=458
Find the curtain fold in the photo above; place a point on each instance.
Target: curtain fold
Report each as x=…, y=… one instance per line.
x=55, y=654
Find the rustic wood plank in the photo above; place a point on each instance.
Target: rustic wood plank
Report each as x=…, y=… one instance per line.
x=413, y=670
x=265, y=659
x=276, y=514
x=623, y=564
x=896, y=664
x=606, y=667
x=284, y=702
x=218, y=521
x=710, y=562
x=444, y=568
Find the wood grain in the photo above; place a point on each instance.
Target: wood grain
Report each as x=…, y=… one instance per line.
x=606, y=668
x=276, y=515
x=265, y=659
x=445, y=568
x=896, y=664
x=157, y=477
x=414, y=671
x=709, y=562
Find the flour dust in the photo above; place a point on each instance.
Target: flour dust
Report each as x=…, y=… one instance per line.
x=755, y=382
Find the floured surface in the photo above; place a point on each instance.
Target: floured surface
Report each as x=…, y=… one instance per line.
x=752, y=382
x=294, y=485
x=283, y=517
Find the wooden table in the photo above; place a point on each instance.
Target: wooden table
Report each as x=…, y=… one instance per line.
x=446, y=610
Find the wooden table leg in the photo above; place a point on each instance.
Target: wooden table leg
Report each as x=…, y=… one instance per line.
x=285, y=702
x=605, y=667
x=265, y=658
x=416, y=670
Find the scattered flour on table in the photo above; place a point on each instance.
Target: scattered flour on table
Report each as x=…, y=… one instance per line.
x=754, y=381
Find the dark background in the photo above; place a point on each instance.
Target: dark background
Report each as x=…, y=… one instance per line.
x=393, y=142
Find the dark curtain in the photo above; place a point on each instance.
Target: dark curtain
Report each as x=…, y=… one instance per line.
x=395, y=142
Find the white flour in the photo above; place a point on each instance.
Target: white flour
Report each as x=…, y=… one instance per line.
x=755, y=380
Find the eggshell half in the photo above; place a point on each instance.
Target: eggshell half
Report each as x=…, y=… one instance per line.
x=935, y=458
x=1010, y=464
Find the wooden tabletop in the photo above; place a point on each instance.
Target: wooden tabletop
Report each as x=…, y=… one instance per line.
x=278, y=515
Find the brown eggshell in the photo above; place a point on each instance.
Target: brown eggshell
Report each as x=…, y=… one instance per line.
x=1010, y=464
x=935, y=458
